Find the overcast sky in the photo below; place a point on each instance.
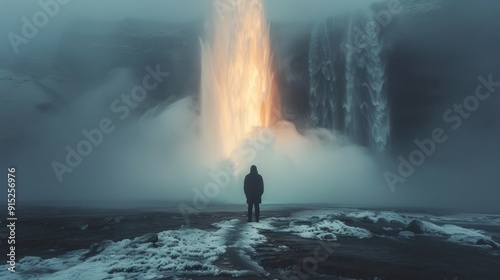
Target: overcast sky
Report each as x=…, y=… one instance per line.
x=175, y=10
x=12, y=12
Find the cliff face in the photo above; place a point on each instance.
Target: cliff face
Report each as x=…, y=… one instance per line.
x=89, y=50
x=431, y=57
x=433, y=53
x=42, y=81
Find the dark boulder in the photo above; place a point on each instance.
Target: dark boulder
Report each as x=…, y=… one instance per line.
x=416, y=227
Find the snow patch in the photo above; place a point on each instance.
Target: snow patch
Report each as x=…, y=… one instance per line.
x=328, y=230
x=375, y=217
x=406, y=234
x=458, y=234
x=185, y=251
x=250, y=233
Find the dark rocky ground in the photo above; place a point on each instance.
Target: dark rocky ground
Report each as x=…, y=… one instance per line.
x=49, y=232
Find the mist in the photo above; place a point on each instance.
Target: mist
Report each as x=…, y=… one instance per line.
x=68, y=76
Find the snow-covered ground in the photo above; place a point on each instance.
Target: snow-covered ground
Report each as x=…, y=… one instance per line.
x=228, y=247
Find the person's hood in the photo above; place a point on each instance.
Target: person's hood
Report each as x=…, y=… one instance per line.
x=253, y=169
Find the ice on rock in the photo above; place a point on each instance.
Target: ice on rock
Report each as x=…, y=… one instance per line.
x=375, y=217
x=454, y=233
x=150, y=257
x=328, y=230
x=406, y=234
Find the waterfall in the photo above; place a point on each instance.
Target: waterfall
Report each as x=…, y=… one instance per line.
x=372, y=94
x=322, y=100
x=347, y=80
x=350, y=80
x=238, y=92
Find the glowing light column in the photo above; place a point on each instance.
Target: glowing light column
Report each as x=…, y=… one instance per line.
x=238, y=91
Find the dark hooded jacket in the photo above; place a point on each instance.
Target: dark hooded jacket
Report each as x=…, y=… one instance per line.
x=253, y=186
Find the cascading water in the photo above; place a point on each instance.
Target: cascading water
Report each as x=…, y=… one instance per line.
x=322, y=100
x=371, y=93
x=347, y=81
x=238, y=92
x=350, y=83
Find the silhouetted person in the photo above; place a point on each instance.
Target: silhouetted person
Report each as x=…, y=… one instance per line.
x=254, y=188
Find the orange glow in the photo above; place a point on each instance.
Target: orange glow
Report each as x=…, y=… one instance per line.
x=238, y=91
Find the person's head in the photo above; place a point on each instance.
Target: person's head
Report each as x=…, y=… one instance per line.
x=253, y=169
